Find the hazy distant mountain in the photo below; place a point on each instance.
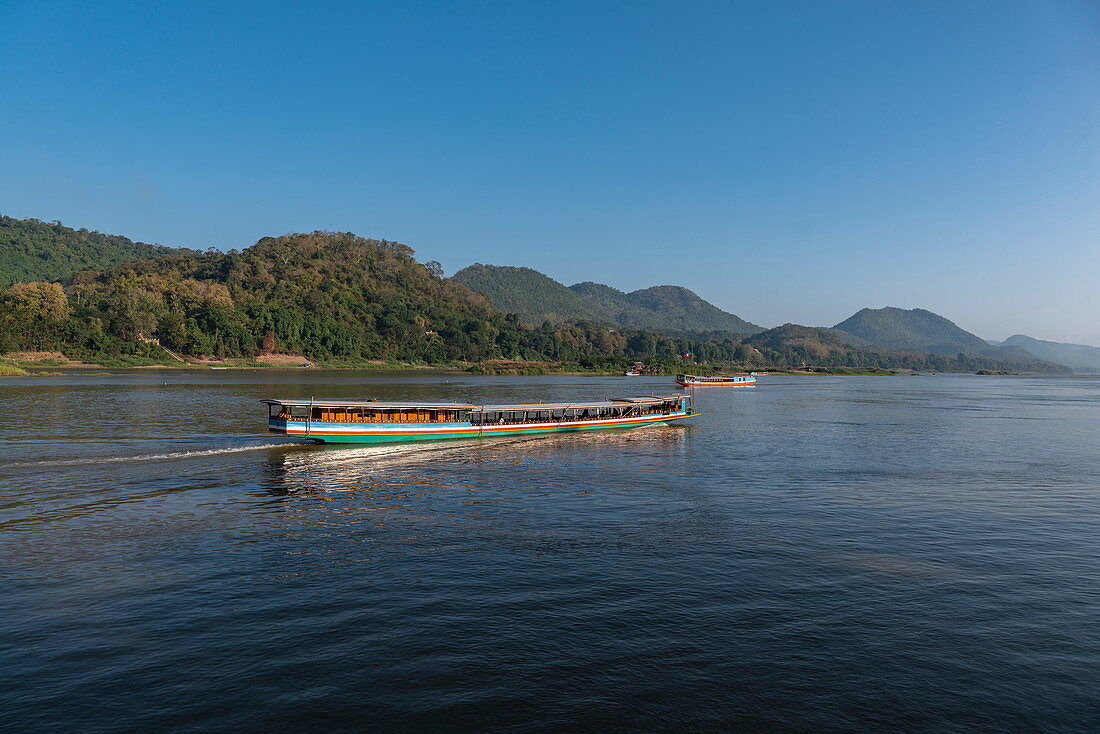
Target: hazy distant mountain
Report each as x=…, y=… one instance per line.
x=535, y=298
x=1080, y=357
x=920, y=330
x=1010, y=352
x=32, y=250
x=793, y=344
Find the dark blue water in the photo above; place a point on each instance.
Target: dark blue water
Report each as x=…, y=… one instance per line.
x=814, y=554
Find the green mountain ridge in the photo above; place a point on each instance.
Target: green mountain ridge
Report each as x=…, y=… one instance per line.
x=535, y=297
x=670, y=308
x=917, y=328
x=515, y=289
x=32, y=250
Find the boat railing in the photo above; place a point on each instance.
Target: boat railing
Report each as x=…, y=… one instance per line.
x=569, y=415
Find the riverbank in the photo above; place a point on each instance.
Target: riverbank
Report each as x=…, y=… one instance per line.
x=34, y=364
x=57, y=360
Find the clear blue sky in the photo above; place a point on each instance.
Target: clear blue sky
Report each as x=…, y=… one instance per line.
x=789, y=161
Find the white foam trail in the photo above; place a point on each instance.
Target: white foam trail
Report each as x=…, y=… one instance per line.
x=144, y=457
x=332, y=456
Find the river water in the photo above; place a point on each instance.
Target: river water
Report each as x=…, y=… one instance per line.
x=815, y=553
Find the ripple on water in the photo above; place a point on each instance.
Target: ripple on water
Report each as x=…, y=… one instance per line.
x=834, y=553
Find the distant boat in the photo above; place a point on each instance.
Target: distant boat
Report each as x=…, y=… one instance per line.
x=376, y=422
x=628, y=373
x=716, y=380
x=219, y=368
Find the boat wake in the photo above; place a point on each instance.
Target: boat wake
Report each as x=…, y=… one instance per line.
x=334, y=455
x=143, y=457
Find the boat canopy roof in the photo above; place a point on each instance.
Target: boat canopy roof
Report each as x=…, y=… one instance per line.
x=378, y=404
x=614, y=402
x=368, y=404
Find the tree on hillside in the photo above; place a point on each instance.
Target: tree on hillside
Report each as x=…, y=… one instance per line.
x=35, y=312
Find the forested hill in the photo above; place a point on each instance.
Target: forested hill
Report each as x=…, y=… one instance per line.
x=535, y=298
x=31, y=250
x=325, y=295
x=322, y=294
x=898, y=328
x=920, y=330
x=529, y=294
x=668, y=308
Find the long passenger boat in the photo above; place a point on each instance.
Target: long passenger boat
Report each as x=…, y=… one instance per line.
x=716, y=380
x=371, y=421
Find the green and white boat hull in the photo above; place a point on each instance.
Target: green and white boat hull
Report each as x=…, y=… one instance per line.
x=403, y=432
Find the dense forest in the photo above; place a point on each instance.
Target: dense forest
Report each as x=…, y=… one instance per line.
x=325, y=295
x=31, y=250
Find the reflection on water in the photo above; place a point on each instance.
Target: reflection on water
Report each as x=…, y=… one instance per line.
x=335, y=469
x=862, y=553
